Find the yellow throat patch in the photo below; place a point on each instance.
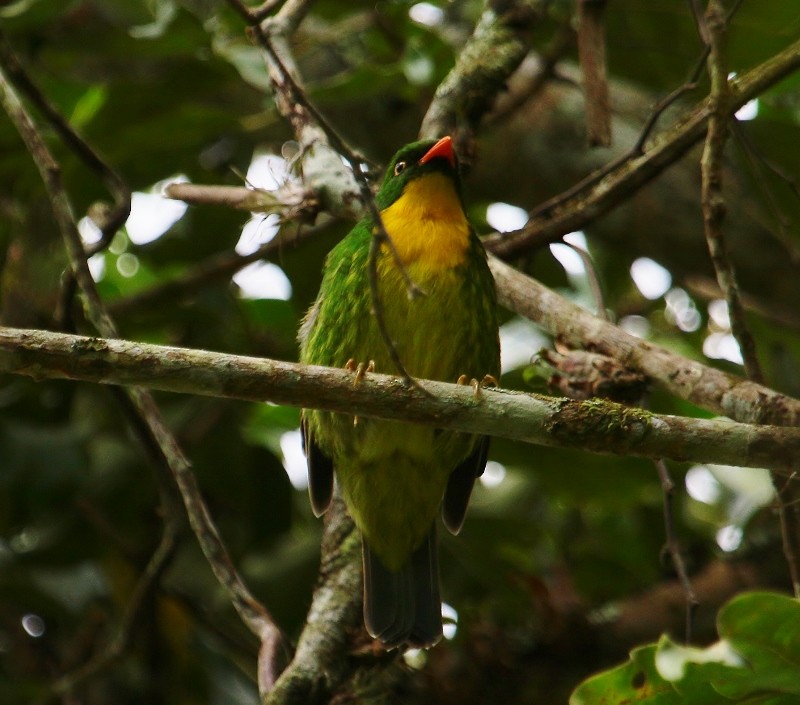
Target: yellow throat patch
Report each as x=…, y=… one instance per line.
x=427, y=224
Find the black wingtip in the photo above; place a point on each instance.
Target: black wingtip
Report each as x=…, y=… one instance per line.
x=320, y=473
x=460, y=484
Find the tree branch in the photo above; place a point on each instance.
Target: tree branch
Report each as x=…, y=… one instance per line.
x=496, y=48
x=700, y=384
x=597, y=426
x=147, y=418
x=630, y=175
x=711, y=193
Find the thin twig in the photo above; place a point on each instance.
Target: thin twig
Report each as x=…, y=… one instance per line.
x=712, y=197
x=603, y=190
x=593, y=279
x=713, y=205
x=638, y=147
x=285, y=82
x=118, y=645
x=252, y=613
x=673, y=547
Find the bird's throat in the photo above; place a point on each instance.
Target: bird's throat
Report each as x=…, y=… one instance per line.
x=427, y=225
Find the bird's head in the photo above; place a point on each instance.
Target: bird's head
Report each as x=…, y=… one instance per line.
x=416, y=160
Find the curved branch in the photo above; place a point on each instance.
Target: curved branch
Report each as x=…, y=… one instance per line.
x=595, y=425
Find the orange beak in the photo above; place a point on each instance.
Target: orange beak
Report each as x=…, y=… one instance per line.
x=443, y=148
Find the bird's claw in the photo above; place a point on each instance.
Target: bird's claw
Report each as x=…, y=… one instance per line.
x=361, y=369
x=487, y=381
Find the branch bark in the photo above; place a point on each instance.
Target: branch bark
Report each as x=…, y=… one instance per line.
x=712, y=389
x=496, y=48
x=595, y=425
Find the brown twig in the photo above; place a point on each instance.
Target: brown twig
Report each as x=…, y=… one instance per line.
x=606, y=188
x=714, y=30
x=299, y=110
x=592, y=56
x=672, y=547
x=712, y=197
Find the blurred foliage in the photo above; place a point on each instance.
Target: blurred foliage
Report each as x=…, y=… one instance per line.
x=755, y=662
x=167, y=87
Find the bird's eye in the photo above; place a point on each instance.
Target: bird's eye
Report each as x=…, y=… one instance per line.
x=399, y=168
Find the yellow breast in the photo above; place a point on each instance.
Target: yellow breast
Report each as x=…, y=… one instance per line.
x=427, y=225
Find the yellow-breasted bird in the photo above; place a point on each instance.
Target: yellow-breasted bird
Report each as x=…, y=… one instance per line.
x=395, y=476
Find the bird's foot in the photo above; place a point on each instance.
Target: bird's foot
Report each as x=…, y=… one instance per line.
x=361, y=369
x=487, y=381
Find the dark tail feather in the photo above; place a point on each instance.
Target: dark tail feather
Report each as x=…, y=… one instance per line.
x=404, y=607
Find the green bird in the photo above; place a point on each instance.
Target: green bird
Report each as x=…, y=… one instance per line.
x=395, y=476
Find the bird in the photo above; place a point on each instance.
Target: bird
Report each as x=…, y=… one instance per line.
x=396, y=477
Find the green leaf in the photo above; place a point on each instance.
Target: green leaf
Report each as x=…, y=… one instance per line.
x=765, y=629
x=756, y=662
x=639, y=681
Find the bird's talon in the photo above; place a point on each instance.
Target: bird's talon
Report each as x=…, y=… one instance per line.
x=489, y=381
x=361, y=370
x=476, y=388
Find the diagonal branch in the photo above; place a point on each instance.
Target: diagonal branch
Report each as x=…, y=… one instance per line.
x=632, y=174
x=148, y=417
x=311, y=127
x=705, y=386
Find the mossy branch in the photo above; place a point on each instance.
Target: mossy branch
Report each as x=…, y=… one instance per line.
x=597, y=426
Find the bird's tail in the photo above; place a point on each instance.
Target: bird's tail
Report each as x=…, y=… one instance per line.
x=404, y=607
